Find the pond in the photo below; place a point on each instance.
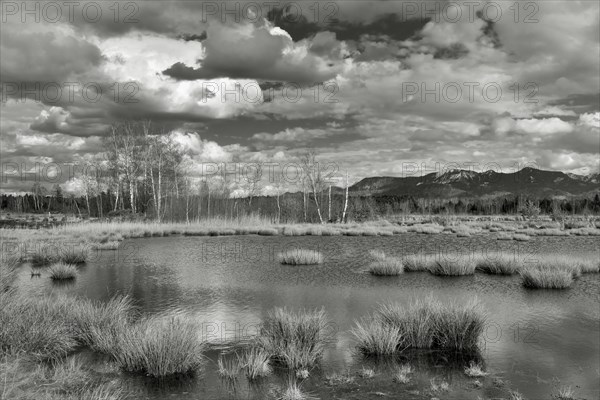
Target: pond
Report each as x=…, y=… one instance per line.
x=534, y=342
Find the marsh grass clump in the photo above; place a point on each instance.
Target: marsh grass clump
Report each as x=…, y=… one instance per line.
x=99, y=324
x=160, y=347
x=268, y=232
x=475, y=370
x=8, y=272
x=441, y=386
x=295, y=339
x=42, y=256
x=498, y=264
x=375, y=338
x=417, y=263
x=256, y=363
x=504, y=236
x=74, y=255
x=453, y=267
x=423, y=324
x=519, y=237
x=565, y=393
x=387, y=267
x=300, y=257
x=112, y=245
x=293, y=392
x=535, y=277
x=402, y=374
x=366, y=373
x=229, y=367
x=42, y=328
x=62, y=271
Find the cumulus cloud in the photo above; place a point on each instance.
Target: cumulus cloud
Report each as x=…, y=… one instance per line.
x=247, y=51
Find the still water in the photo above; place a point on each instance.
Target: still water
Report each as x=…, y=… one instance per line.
x=535, y=340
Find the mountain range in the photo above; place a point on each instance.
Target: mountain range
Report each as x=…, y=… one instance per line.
x=463, y=183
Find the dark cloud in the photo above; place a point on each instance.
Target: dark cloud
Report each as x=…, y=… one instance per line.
x=249, y=52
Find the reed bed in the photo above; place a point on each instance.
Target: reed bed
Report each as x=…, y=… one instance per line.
x=294, y=339
x=300, y=257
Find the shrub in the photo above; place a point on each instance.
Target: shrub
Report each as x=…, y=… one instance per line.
x=300, y=257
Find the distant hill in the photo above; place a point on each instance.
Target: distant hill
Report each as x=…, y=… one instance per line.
x=462, y=183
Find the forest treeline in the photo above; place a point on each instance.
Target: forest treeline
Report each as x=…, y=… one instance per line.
x=144, y=173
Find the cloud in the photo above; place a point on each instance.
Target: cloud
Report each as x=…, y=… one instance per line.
x=246, y=51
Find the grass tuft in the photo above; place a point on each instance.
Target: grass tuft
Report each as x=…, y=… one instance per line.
x=387, y=267
x=295, y=339
x=402, y=374
x=425, y=324
x=159, y=347
x=62, y=271
x=229, y=367
x=373, y=337
x=535, y=277
x=256, y=363
x=449, y=267
x=498, y=264
x=300, y=257
x=475, y=370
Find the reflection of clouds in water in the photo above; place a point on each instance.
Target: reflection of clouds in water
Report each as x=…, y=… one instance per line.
x=233, y=293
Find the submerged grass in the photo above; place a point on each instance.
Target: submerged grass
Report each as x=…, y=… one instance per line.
x=300, y=257
x=295, y=339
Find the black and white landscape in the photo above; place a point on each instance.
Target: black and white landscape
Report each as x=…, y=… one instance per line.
x=300, y=200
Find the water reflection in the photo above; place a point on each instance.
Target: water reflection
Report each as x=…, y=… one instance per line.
x=228, y=284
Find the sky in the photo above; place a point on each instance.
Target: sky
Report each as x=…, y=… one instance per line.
x=373, y=87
